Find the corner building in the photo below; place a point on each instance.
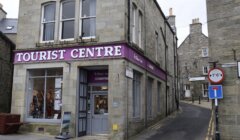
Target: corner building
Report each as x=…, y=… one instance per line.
x=112, y=64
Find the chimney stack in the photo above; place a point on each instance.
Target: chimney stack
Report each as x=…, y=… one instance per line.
x=196, y=26
x=2, y=12
x=171, y=20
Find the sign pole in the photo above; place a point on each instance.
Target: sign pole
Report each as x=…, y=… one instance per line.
x=217, y=134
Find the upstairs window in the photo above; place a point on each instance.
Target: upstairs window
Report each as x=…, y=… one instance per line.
x=140, y=30
x=204, y=52
x=205, y=70
x=88, y=19
x=67, y=19
x=134, y=23
x=48, y=21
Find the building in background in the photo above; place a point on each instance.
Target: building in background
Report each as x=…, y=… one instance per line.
x=224, y=49
x=112, y=64
x=193, y=57
x=6, y=66
x=8, y=26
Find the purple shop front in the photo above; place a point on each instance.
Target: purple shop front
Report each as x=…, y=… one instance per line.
x=88, y=53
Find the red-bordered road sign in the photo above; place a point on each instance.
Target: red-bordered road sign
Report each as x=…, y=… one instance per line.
x=215, y=75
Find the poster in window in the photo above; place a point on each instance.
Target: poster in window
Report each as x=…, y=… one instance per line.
x=57, y=104
x=57, y=93
x=58, y=82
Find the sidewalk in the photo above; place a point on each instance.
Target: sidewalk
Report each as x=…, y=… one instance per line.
x=203, y=103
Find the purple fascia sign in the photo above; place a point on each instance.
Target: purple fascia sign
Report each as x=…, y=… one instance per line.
x=87, y=53
x=66, y=54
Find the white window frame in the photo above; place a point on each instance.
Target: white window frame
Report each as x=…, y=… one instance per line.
x=204, y=52
x=81, y=21
x=205, y=72
x=187, y=87
x=204, y=90
x=45, y=76
x=43, y=22
x=62, y=20
x=134, y=23
x=140, y=17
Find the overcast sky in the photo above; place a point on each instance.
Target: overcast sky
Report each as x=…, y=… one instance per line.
x=185, y=11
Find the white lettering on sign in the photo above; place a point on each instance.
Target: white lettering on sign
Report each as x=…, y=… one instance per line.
x=90, y=52
x=151, y=66
x=136, y=57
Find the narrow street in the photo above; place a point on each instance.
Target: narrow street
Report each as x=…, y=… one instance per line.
x=191, y=124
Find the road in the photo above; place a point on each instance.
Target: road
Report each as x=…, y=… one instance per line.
x=191, y=124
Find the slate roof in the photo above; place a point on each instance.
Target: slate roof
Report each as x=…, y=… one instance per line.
x=8, y=25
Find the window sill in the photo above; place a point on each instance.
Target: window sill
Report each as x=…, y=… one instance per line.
x=52, y=121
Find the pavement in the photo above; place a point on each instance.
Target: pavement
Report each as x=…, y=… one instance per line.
x=147, y=134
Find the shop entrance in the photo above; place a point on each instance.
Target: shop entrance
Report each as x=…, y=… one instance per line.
x=93, y=102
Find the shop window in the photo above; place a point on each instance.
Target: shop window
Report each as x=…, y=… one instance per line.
x=88, y=19
x=149, y=97
x=136, y=94
x=48, y=21
x=159, y=96
x=44, y=94
x=67, y=19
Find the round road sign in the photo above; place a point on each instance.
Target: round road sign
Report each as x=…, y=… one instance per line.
x=215, y=76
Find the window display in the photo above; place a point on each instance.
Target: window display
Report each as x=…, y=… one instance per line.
x=45, y=93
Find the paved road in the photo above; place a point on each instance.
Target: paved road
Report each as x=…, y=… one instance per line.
x=191, y=124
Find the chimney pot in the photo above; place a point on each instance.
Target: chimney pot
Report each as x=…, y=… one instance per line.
x=170, y=12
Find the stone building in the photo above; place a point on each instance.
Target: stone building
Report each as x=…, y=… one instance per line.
x=6, y=66
x=224, y=49
x=112, y=64
x=8, y=26
x=193, y=60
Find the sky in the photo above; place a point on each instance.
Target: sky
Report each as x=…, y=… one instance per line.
x=185, y=11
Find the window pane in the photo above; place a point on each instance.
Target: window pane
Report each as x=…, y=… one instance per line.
x=100, y=104
x=49, y=12
x=37, y=72
x=48, y=31
x=67, y=29
x=53, y=98
x=88, y=8
x=54, y=72
x=36, y=98
x=88, y=27
x=68, y=9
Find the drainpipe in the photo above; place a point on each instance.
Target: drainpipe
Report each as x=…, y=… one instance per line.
x=128, y=39
x=128, y=17
x=146, y=77
x=165, y=43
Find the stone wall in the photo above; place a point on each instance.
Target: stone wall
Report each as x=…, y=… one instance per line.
x=6, y=73
x=223, y=28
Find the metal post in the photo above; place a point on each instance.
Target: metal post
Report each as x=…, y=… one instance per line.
x=199, y=100
x=217, y=134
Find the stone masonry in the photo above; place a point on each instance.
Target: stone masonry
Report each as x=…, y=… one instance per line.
x=113, y=25
x=223, y=28
x=191, y=60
